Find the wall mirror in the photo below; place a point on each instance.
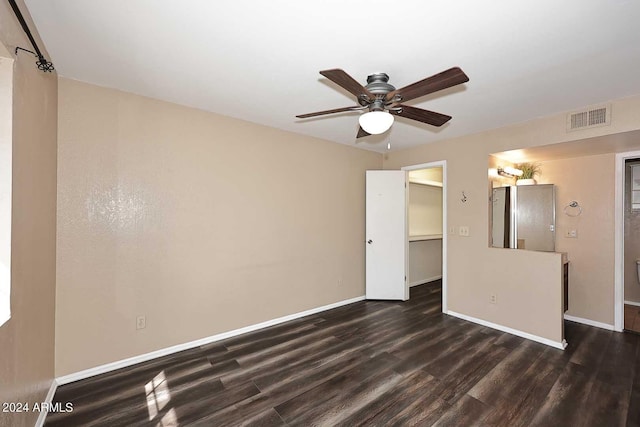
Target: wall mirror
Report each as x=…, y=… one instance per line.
x=523, y=217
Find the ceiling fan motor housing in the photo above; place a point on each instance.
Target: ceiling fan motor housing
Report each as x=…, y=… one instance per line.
x=377, y=85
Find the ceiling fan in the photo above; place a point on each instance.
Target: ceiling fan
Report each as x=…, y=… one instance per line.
x=383, y=101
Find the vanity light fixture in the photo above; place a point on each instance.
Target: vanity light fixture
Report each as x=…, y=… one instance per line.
x=509, y=172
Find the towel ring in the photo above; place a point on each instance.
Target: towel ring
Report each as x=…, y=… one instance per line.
x=573, y=205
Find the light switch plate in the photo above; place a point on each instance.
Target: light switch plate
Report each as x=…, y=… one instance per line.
x=464, y=230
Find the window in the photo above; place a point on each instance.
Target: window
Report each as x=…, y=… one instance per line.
x=6, y=90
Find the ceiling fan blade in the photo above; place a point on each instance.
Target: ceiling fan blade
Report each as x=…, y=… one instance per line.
x=424, y=116
x=335, y=110
x=362, y=133
x=341, y=78
x=451, y=77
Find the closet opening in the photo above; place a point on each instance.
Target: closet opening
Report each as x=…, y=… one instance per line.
x=425, y=226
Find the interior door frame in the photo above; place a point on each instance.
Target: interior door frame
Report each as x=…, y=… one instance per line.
x=443, y=165
x=618, y=308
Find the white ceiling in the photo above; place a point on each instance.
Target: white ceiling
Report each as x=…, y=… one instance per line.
x=259, y=60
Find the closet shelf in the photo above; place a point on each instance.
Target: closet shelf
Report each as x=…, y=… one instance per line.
x=425, y=237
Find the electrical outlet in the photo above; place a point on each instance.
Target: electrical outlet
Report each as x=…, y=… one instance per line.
x=571, y=234
x=141, y=322
x=493, y=299
x=464, y=230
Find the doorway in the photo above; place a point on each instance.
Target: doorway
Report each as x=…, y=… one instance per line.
x=426, y=224
x=631, y=248
x=627, y=300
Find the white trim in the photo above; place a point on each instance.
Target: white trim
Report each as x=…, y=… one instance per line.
x=66, y=379
x=637, y=304
x=48, y=399
x=589, y=322
x=445, y=228
x=423, y=281
x=561, y=345
x=618, y=303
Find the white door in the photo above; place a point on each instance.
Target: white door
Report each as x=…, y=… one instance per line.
x=386, y=235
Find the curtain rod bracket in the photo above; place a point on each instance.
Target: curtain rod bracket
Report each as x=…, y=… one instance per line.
x=42, y=63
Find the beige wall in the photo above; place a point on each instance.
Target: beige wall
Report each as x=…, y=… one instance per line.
x=590, y=181
x=425, y=209
x=27, y=339
x=201, y=222
x=425, y=261
x=523, y=280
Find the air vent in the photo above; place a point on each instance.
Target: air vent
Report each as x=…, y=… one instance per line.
x=589, y=118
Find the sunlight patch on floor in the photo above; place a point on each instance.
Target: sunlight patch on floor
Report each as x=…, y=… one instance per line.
x=158, y=396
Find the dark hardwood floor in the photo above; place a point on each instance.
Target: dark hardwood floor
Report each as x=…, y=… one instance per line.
x=373, y=363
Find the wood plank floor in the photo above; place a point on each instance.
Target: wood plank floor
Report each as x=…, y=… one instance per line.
x=373, y=363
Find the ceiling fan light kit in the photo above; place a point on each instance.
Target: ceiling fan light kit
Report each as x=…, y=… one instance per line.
x=376, y=122
x=383, y=101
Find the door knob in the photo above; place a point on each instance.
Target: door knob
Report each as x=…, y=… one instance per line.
x=369, y=241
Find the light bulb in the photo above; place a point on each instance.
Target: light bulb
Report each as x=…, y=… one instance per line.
x=376, y=122
x=513, y=171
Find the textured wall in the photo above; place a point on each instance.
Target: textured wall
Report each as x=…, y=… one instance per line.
x=201, y=222
x=590, y=181
x=27, y=339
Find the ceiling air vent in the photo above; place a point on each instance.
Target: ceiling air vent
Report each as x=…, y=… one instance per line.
x=589, y=118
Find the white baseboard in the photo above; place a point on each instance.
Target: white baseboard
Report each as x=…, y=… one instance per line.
x=561, y=345
x=423, y=281
x=48, y=400
x=66, y=379
x=589, y=322
x=637, y=304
